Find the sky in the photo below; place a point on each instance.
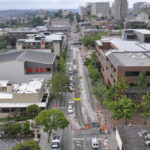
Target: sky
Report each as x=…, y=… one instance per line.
x=51, y=4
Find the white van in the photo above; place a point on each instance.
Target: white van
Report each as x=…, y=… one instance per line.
x=95, y=143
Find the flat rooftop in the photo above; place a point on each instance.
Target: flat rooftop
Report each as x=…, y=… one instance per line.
x=132, y=137
x=129, y=59
x=3, y=83
x=31, y=86
x=125, y=45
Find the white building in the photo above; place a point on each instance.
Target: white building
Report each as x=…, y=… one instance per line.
x=120, y=8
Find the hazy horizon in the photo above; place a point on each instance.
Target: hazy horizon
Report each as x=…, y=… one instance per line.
x=51, y=4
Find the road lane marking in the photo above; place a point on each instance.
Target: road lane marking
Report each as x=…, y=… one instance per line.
x=78, y=139
x=3, y=143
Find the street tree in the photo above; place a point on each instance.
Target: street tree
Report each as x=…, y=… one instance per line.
x=33, y=110
x=122, y=109
x=145, y=104
x=51, y=119
x=59, y=83
x=27, y=145
x=116, y=91
x=99, y=89
x=141, y=83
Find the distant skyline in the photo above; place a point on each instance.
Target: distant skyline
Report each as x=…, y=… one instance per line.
x=52, y=4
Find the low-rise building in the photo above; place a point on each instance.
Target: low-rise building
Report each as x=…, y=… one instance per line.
x=133, y=137
x=54, y=42
x=124, y=57
x=19, y=96
x=19, y=66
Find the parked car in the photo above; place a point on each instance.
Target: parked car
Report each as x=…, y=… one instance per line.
x=70, y=109
x=55, y=145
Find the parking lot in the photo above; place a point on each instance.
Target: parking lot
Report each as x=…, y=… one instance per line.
x=8, y=144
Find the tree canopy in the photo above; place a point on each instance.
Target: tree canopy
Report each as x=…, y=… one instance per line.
x=59, y=83
x=122, y=109
x=27, y=145
x=33, y=110
x=51, y=119
x=145, y=104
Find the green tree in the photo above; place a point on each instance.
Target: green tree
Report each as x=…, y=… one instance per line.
x=51, y=119
x=13, y=129
x=27, y=145
x=33, y=110
x=89, y=40
x=26, y=128
x=142, y=80
x=37, y=22
x=141, y=83
x=59, y=83
x=116, y=91
x=93, y=74
x=99, y=89
x=122, y=109
x=145, y=104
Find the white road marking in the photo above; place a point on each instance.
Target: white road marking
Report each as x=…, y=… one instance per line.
x=3, y=143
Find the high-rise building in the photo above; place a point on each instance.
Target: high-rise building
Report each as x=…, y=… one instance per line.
x=100, y=8
x=120, y=8
x=138, y=6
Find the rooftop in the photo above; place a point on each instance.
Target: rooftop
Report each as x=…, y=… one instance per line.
x=130, y=59
x=142, y=31
x=124, y=45
x=132, y=137
x=31, y=86
x=3, y=83
x=44, y=57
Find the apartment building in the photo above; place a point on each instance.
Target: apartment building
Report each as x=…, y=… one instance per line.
x=53, y=43
x=124, y=57
x=100, y=9
x=19, y=96
x=19, y=66
x=120, y=8
x=138, y=6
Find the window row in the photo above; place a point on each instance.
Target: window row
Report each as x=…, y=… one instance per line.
x=30, y=70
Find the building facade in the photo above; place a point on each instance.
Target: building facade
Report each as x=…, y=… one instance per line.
x=100, y=9
x=54, y=43
x=120, y=8
x=19, y=96
x=19, y=66
x=124, y=57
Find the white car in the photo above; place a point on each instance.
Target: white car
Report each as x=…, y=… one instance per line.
x=95, y=143
x=71, y=88
x=70, y=109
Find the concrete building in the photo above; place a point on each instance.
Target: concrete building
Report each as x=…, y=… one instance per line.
x=19, y=96
x=53, y=43
x=19, y=66
x=83, y=11
x=138, y=6
x=124, y=57
x=133, y=137
x=60, y=22
x=120, y=8
x=100, y=9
